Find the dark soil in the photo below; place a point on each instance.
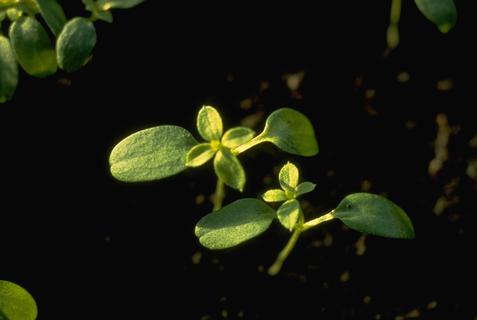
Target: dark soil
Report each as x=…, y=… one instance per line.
x=90, y=247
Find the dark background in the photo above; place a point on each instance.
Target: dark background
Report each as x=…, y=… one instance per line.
x=87, y=246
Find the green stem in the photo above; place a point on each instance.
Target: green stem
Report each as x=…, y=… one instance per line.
x=317, y=221
x=283, y=255
x=219, y=195
x=247, y=145
x=393, y=30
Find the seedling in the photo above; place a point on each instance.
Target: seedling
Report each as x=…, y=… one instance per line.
x=16, y=303
x=246, y=218
x=166, y=150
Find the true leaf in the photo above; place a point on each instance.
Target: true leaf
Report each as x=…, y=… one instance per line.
x=16, y=303
x=32, y=47
x=8, y=70
x=288, y=177
x=443, y=13
x=53, y=14
x=235, y=223
x=75, y=44
x=118, y=4
x=209, y=124
x=229, y=170
x=289, y=213
x=274, y=195
x=13, y=14
x=373, y=214
x=304, y=187
x=151, y=154
x=199, y=155
x=237, y=136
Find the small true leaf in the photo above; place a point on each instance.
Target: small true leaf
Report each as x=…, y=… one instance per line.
x=304, y=187
x=373, y=214
x=118, y=4
x=443, y=13
x=288, y=177
x=274, y=195
x=151, y=154
x=199, y=155
x=290, y=131
x=289, y=213
x=8, y=70
x=75, y=44
x=32, y=47
x=53, y=14
x=233, y=224
x=237, y=136
x=16, y=303
x=229, y=170
x=209, y=124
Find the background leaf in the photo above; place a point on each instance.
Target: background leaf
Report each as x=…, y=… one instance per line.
x=32, y=47
x=209, y=124
x=289, y=213
x=53, y=14
x=373, y=214
x=16, y=303
x=8, y=70
x=118, y=4
x=151, y=154
x=75, y=44
x=235, y=223
x=229, y=170
x=443, y=13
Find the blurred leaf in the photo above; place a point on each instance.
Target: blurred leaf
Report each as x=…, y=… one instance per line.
x=288, y=177
x=304, y=187
x=16, y=303
x=118, y=4
x=274, y=195
x=8, y=70
x=53, y=14
x=443, y=13
x=209, y=124
x=199, y=155
x=32, y=47
x=151, y=154
x=289, y=213
x=14, y=14
x=236, y=136
x=75, y=44
x=235, y=223
x=373, y=214
x=229, y=170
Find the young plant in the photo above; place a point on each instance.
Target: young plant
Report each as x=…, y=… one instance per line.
x=16, y=303
x=246, y=218
x=166, y=150
x=29, y=43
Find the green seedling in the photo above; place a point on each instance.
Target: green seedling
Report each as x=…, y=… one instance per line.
x=166, y=150
x=245, y=219
x=16, y=303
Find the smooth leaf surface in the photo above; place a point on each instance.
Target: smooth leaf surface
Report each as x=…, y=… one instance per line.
x=151, y=154
x=118, y=4
x=373, y=214
x=304, y=187
x=75, y=44
x=289, y=213
x=290, y=131
x=237, y=136
x=199, y=155
x=32, y=47
x=229, y=170
x=274, y=195
x=53, y=14
x=443, y=13
x=209, y=124
x=16, y=303
x=8, y=70
x=235, y=223
x=288, y=177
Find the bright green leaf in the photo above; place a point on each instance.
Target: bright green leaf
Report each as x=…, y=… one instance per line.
x=75, y=44
x=304, y=187
x=32, y=47
x=289, y=213
x=118, y=4
x=288, y=177
x=237, y=136
x=229, y=170
x=209, y=123
x=199, y=155
x=235, y=223
x=373, y=214
x=14, y=14
x=443, y=13
x=16, y=303
x=8, y=70
x=53, y=14
x=274, y=195
x=151, y=154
